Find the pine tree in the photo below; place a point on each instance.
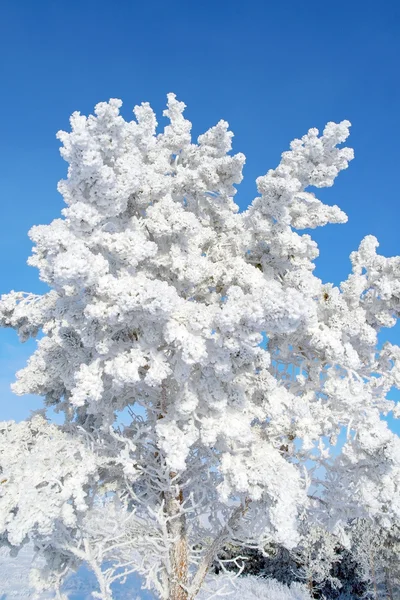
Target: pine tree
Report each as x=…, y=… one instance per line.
x=199, y=364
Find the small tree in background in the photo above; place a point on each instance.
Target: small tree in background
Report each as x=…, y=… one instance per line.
x=205, y=331
x=377, y=551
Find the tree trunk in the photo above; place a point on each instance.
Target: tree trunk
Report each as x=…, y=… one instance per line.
x=388, y=583
x=373, y=573
x=178, y=554
x=310, y=585
x=178, y=572
x=214, y=548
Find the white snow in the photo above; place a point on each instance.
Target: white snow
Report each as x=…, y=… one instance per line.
x=14, y=575
x=253, y=588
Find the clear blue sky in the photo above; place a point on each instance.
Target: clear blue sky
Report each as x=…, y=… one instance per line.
x=272, y=69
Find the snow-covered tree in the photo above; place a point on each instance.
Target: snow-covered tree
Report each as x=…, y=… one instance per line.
x=376, y=550
x=200, y=365
x=315, y=556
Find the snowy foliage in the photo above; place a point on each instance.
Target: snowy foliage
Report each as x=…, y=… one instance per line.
x=27, y=454
x=207, y=328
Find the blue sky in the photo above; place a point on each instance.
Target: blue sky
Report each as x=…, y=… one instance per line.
x=272, y=70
